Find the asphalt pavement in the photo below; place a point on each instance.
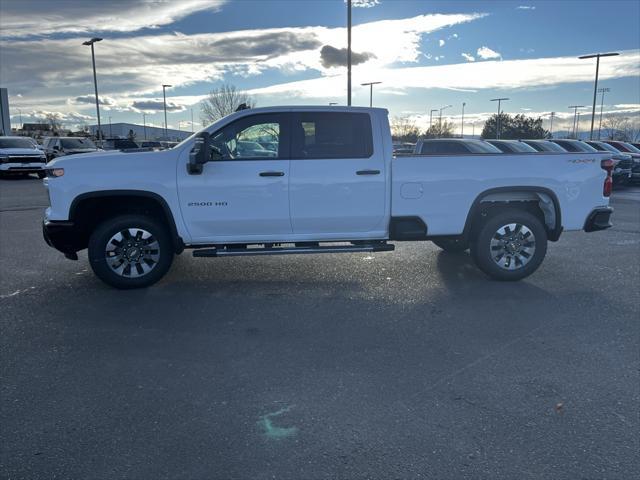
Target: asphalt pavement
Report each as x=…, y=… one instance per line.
x=410, y=364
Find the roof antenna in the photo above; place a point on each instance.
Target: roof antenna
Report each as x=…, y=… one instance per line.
x=242, y=106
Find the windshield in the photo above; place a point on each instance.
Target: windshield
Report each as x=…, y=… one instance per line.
x=632, y=148
x=604, y=146
x=476, y=146
x=77, y=143
x=11, y=142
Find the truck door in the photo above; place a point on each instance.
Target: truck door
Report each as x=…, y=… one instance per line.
x=337, y=187
x=244, y=195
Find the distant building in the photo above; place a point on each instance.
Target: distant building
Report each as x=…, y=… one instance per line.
x=5, y=118
x=121, y=130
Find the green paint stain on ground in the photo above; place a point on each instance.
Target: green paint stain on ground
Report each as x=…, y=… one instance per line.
x=272, y=431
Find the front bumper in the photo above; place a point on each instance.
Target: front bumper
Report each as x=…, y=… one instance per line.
x=63, y=236
x=598, y=219
x=34, y=167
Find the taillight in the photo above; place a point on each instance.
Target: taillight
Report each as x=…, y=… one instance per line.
x=607, y=165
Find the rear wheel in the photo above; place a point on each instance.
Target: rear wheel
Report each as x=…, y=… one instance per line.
x=452, y=245
x=510, y=245
x=130, y=251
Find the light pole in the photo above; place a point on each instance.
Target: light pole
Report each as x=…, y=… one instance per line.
x=595, y=87
x=110, y=134
x=498, y=122
x=370, y=84
x=577, y=126
x=462, y=121
x=349, y=52
x=95, y=83
x=20, y=116
x=164, y=100
x=552, y=114
x=192, y=120
x=144, y=124
x=601, y=90
x=441, y=109
x=575, y=115
x=431, y=116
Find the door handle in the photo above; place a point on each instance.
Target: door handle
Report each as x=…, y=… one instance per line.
x=272, y=174
x=368, y=172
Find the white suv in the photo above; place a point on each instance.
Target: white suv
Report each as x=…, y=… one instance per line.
x=19, y=155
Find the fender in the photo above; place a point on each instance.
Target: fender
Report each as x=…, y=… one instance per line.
x=553, y=232
x=179, y=244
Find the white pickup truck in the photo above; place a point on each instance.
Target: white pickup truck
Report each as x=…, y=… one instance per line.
x=290, y=180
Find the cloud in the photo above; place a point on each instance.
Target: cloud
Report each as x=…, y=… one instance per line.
x=334, y=57
x=129, y=68
x=91, y=99
x=441, y=42
x=32, y=18
x=468, y=57
x=486, y=53
x=525, y=7
x=156, y=105
x=364, y=3
x=504, y=74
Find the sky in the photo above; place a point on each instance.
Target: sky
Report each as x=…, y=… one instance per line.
x=427, y=54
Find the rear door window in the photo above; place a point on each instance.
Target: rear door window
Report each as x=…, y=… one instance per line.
x=326, y=135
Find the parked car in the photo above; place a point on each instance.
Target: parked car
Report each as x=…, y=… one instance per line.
x=629, y=149
x=119, y=144
x=453, y=146
x=574, y=146
x=623, y=169
x=403, y=148
x=150, y=144
x=19, y=155
x=58, y=146
x=512, y=146
x=166, y=145
x=334, y=187
x=544, y=146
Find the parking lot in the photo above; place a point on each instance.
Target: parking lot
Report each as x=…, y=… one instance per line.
x=393, y=365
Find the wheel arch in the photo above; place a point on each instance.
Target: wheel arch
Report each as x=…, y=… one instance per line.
x=89, y=209
x=546, y=202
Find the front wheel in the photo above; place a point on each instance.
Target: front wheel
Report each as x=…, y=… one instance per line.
x=130, y=251
x=510, y=245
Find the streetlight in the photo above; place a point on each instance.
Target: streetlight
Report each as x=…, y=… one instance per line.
x=349, y=52
x=462, y=121
x=164, y=101
x=601, y=90
x=20, y=116
x=595, y=87
x=552, y=114
x=370, y=84
x=498, y=122
x=441, y=109
x=431, y=116
x=95, y=82
x=577, y=126
x=575, y=114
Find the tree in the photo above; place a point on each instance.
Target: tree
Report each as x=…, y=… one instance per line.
x=514, y=127
x=440, y=129
x=223, y=101
x=403, y=129
x=54, y=120
x=615, y=127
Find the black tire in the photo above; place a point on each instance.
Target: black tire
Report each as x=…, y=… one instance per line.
x=451, y=245
x=482, y=250
x=102, y=236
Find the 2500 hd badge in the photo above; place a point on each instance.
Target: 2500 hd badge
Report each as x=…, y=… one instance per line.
x=207, y=204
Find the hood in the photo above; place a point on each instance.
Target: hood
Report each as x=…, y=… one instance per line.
x=20, y=151
x=110, y=158
x=69, y=151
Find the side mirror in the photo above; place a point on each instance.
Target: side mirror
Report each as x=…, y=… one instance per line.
x=199, y=155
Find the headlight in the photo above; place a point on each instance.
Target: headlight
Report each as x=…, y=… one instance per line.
x=55, y=172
